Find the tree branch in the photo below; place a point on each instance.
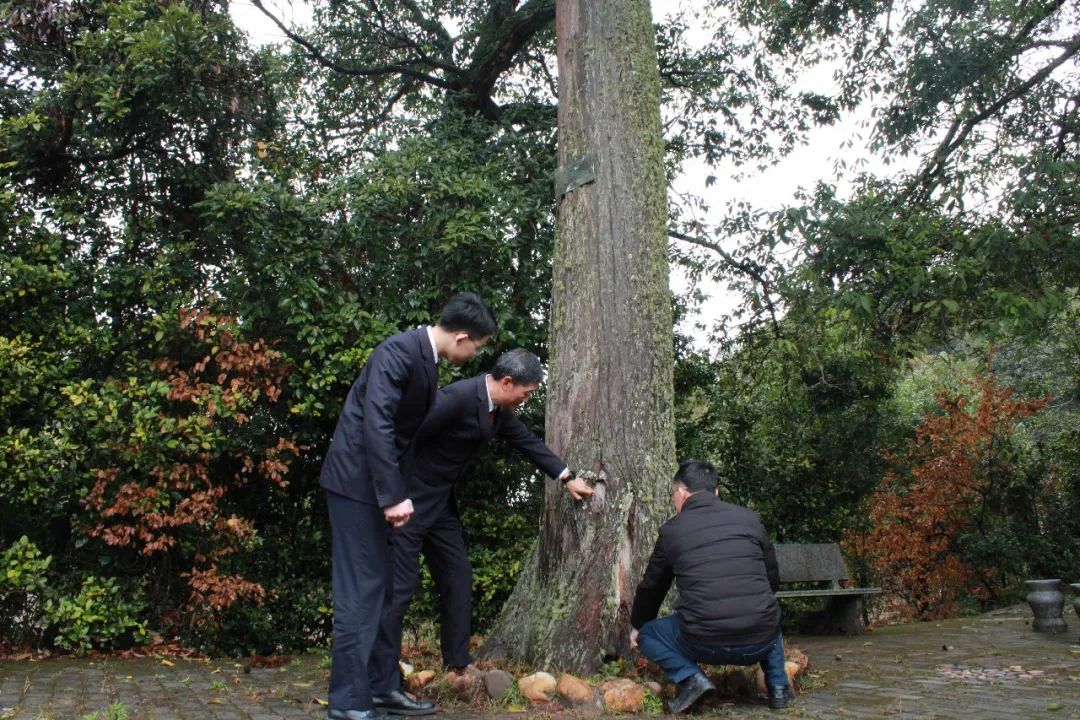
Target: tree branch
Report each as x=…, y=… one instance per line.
x=961, y=128
x=502, y=38
x=444, y=41
x=319, y=56
x=408, y=43
x=751, y=269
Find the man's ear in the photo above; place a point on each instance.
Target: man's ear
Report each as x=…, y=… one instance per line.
x=461, y=337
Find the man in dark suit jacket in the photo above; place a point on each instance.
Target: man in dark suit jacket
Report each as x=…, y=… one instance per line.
x=366, y=492
x=467, y=414
x=724, y=566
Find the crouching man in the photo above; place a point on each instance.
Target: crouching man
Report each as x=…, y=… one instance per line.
x=724, y=567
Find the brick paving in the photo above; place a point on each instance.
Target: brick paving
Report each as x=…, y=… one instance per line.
x=986, y=667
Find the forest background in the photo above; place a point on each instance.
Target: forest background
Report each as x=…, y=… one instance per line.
x=203, y=240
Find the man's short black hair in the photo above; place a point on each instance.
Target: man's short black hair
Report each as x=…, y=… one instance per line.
x=467, y=313
x=519, y=365
x=696, y=475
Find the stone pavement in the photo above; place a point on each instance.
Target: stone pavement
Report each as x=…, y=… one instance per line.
x=990, y=666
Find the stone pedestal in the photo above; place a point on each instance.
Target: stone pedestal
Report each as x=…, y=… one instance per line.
x=1047, y=602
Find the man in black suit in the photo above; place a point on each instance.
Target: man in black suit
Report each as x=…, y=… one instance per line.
x=366, y=492
x=467, y=414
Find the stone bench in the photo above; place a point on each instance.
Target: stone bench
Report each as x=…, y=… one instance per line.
x=822, y=565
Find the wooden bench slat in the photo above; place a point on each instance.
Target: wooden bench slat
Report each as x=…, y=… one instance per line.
x=827, y=592
x=815, y=563
x=810, y=562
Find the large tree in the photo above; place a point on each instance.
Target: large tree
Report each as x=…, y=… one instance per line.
x=610, y=390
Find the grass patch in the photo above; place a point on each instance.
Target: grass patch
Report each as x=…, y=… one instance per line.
x=652, y=706
x=116, y=711
x=513, y=700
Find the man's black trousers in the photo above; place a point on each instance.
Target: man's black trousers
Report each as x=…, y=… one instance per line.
x=435, y=530
x=360, y=563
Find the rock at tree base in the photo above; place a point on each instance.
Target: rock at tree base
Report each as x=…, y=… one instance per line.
x=537, y=686
x=417, y=680
x=798, y=657
x=792, y=669
x=498, y=683
x=575, y=689
x=622, y=696
x=465, y=685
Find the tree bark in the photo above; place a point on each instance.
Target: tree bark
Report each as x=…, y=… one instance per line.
x=610, y=385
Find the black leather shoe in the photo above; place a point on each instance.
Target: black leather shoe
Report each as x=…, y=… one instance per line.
x=398, y=703
x=460, y=669
x=691, y=690
x=353, y=714
x=781, y=696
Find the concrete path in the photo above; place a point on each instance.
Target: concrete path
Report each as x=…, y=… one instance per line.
x=991, y=666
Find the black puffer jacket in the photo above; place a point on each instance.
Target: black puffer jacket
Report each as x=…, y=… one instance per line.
x=724, y=567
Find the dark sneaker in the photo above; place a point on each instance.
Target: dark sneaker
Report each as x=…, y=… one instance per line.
x=781, y=696
x=691, y=691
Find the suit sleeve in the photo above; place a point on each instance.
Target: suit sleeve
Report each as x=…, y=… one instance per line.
x=448, y=409
x=389, y=371
x=653, y=587
x=514, y=432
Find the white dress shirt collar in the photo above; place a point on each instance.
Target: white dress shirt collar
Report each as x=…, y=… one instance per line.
x=431, y=339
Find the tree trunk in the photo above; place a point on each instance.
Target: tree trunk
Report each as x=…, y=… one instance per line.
x=610, y=386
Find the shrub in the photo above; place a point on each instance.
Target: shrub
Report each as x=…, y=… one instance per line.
x=22, y=587
x=176, y=452
x=97, y=616
x=937, y=517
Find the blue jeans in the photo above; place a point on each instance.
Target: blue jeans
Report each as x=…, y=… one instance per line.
x=661, y=641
